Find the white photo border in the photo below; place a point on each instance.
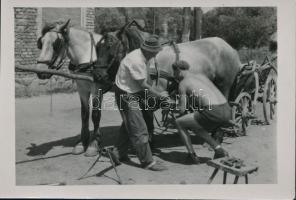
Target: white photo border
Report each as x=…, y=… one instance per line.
x=285, y=187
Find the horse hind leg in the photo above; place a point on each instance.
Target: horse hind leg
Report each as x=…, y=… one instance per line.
x=85, y=134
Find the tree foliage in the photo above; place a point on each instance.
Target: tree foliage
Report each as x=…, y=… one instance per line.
x=241, y=27
x=155, y=19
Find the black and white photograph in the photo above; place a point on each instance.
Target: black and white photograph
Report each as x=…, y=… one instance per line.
x=183, y=95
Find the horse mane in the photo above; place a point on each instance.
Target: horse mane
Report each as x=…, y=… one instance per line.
x=47, y=27
x=133, y=35
x=135, y=39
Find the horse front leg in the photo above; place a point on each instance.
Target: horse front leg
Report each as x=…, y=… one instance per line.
x=82, y=144
x=84, y=91
x=85, y=134
x=95, y=145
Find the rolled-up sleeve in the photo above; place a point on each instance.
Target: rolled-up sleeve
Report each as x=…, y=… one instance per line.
x=138, y=71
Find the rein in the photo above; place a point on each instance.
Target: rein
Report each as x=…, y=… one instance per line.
x=114, y=57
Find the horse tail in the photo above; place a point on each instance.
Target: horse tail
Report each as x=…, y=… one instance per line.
x=231, y=62
x=234, y=89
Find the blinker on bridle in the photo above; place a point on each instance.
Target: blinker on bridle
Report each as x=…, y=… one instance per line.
x=57, y=47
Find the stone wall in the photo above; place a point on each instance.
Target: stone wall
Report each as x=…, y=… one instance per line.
x=28, y=24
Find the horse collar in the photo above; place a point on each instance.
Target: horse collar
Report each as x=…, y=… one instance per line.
x=85, y=67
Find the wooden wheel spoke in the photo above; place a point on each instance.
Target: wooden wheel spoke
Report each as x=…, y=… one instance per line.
x=269, y=97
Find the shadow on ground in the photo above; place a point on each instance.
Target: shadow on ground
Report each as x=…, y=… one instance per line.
x=109, y=133
x=172, y=140
x=43, y=149
x=178, y=157
x=109, y=137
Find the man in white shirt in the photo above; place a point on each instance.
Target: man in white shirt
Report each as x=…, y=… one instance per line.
x=131, y=81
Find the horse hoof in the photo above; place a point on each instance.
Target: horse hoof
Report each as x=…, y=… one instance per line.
x=78, y=149
x=92, y=150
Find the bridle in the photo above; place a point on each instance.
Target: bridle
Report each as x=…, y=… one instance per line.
x=118, y=43
x=117, y=48
x=57, y=47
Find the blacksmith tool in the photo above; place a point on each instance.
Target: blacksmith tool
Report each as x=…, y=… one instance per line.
x=233, y=162
x=101, y=152
x=113, y=165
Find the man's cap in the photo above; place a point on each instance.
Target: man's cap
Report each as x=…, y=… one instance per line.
x=181, y=64
x=151, y=44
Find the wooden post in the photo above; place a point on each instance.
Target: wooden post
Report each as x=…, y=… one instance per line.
x=197, y=23
x=154, y=20
x=165, y=28
x=186, y=24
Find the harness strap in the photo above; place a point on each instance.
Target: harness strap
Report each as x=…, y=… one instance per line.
x=92, y=42
x=157, y=71
x=62, y=61
x=177, y=50
x=84, y=67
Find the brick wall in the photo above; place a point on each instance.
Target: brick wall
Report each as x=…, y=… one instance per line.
x=25, y=36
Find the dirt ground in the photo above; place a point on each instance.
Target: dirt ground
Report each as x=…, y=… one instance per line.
x=44, y=141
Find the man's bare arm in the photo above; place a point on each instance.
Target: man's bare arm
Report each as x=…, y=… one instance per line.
x=183, y=98
x=143, y=83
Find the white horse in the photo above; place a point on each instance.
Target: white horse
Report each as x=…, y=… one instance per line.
x=56, y=43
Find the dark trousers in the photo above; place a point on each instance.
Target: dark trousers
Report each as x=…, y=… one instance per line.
x=135, y=128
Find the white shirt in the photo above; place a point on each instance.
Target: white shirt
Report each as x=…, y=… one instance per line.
x=133, y=67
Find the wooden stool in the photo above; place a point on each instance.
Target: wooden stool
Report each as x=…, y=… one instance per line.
x=243, y=171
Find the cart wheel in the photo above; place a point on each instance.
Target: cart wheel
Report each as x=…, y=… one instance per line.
x=269, y=97
x=241, y=111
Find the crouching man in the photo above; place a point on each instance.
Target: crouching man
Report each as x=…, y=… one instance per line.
x=211, y=109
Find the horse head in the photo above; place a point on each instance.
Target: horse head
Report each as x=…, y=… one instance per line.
x=53, y=46
x=110, y=50
x=115, y=45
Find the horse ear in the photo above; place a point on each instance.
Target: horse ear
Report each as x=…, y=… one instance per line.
x=64, y=26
